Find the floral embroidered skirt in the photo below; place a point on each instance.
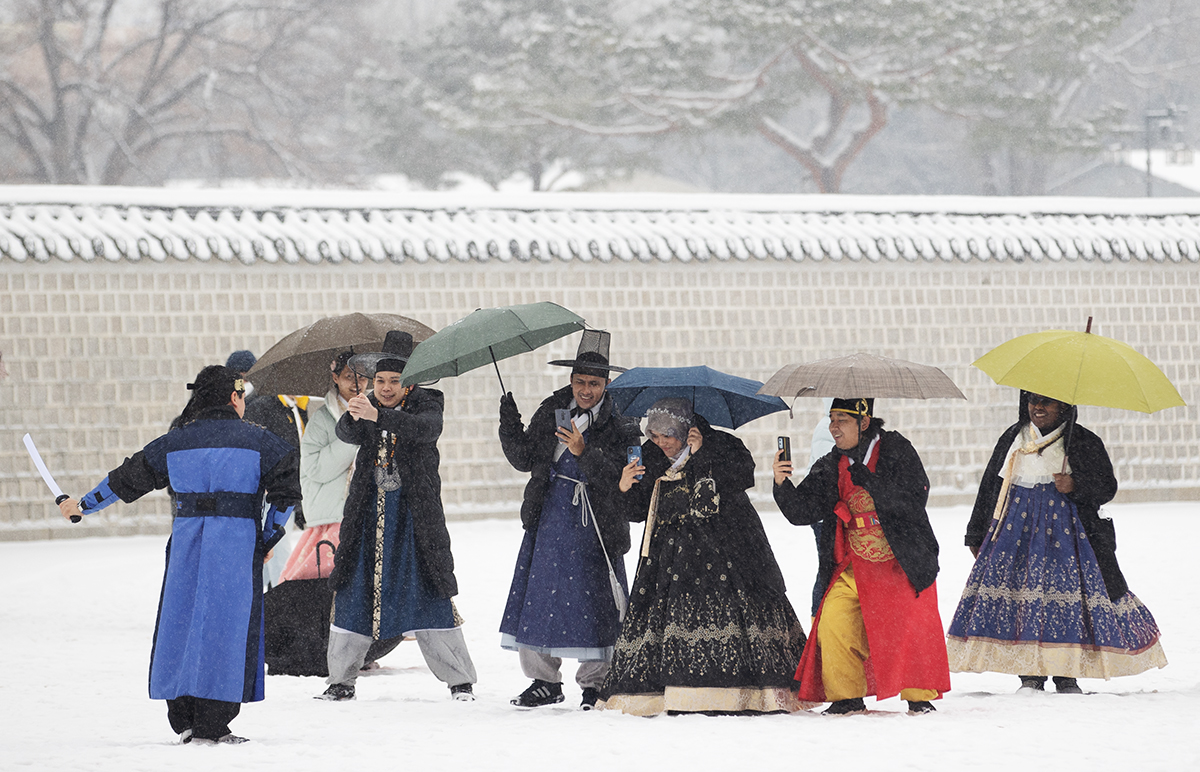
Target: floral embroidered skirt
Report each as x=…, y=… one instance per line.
x=700, y=635
x=1035, y=602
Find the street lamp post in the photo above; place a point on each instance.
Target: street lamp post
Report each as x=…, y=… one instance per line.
x=1166, y=122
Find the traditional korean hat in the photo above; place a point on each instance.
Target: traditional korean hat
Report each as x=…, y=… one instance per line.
x=859, y=407
x=397, y=348
x=592, y=356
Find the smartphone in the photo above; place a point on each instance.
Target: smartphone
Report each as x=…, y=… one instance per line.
x=784, y=444
x=633, y=454
x=562, y=419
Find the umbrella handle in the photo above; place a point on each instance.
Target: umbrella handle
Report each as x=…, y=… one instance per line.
x=503, y=391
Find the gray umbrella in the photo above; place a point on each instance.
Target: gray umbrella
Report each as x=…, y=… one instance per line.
x=861, y=375
x=299, y=363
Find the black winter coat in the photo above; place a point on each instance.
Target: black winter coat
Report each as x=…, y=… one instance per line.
x=1095, y=485
x=417, y=425
x=268, y=412
x=899, y=488
x=724, y=458
x=532, y=450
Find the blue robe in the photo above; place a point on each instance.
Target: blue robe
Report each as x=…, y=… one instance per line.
x=560, y=601
x=208, y=639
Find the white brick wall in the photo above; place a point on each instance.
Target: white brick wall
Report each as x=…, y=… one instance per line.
x=98, y=354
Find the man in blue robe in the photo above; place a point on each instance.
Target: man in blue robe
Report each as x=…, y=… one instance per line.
x=208, y=652
x=563, y=602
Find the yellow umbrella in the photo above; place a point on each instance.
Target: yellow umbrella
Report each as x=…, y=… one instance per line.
x=1081, y=368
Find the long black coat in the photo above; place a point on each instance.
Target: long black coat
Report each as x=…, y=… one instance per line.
x=1095, y=486
x=532, y=450
x=268, y=412
x=725, y=459
x=418, y=426
x=900, y=489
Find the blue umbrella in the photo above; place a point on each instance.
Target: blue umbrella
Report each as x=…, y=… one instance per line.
x=723, y=400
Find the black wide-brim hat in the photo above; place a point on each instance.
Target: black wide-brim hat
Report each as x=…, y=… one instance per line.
x=397, y=348
x=592, y=356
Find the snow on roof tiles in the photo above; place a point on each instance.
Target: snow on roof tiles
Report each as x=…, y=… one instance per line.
x=135, y=224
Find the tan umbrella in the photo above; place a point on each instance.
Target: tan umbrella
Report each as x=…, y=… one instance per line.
x=861, y=375
x=299, y=363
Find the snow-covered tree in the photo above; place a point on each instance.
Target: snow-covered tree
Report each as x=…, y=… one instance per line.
x=538, y=87
x=818, y=77
x=121, y=91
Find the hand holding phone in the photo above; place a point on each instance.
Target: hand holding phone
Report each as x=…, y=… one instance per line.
x=633, y=455
x=562, y=419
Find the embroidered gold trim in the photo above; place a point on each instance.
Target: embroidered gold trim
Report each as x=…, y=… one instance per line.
x=870, y=544
x=698, y=699
x=982, y=655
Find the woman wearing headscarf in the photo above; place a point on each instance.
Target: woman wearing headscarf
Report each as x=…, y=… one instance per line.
x=1046, y=596
x=709, y=628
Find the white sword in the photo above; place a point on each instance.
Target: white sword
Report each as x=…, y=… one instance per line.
x=59, y=496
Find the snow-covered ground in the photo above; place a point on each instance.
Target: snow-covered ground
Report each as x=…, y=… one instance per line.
x=77, y=617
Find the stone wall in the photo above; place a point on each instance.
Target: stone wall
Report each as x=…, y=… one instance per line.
x=98, y=354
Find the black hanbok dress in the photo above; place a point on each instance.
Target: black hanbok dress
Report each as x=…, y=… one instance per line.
x=709, y=628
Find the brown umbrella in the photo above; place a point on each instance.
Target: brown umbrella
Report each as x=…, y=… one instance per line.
x=299, y=363
x=861, y=375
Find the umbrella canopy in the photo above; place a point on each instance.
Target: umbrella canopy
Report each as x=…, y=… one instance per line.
x=862, y=375
x=1081, y=368
x=723, y=400
x=299, y=363
x=486, y=336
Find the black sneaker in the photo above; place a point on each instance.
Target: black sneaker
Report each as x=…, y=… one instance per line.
x=227, y=739
x=845, y=708
x=462, y=693
x=919, y=707
x=538, y=694
x=1064, y=685
x=590, y=696
x=337, y=693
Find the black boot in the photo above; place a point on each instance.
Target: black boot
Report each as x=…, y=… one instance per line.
x=845, y=708
x=538, y=694
x=1064, y=685
x=337, y=693
x=1032, y=683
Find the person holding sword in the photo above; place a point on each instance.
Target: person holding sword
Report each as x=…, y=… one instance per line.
x=207, y=656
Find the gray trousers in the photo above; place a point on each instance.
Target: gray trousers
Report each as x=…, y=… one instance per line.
x=445, y=653
x=535, y=664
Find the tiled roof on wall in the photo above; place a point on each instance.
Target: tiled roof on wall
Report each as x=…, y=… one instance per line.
x=62, y=223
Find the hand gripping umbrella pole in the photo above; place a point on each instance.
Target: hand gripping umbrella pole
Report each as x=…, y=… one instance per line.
x=59, y=496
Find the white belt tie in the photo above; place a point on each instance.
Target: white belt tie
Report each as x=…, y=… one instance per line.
x=580, y=499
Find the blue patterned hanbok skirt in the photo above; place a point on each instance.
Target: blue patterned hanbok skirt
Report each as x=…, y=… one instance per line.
x=1035, y=602
x=560, y=602
x=406, y=602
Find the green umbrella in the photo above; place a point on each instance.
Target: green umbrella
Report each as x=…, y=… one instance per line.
x=489, y=335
